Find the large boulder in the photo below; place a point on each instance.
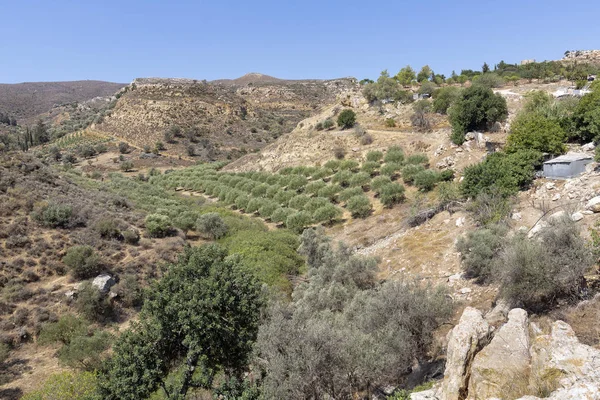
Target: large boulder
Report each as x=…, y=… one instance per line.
x=464, y=341
x=103, y=282
x=561, y=363
x=502, y=367
x=593, y=204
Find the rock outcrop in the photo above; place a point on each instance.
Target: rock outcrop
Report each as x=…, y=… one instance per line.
x=520, y=362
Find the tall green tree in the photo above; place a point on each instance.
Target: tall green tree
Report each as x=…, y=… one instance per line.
x=485, y=68
x=406, y=75
x=40, y=132
x=424, y=74
x=200, y=319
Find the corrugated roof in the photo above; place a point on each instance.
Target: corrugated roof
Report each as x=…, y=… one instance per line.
x=569, y=157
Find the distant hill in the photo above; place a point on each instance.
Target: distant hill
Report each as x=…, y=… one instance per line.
x=26, y=101
x=221, y=119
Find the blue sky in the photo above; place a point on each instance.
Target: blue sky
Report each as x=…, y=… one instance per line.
x=121, y=40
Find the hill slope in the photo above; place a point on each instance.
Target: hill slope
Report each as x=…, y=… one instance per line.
x=218, y=120
x=27, y=100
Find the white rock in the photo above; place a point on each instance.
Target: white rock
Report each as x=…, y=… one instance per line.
x=557, y=216
x=424, y=395
x=537, y=229
x=460, y=221
x=577, y=216
x=588, y=147
x=556, y=197
x=465, y=290
x=550, y=185
x=70, y=294
x=103, y=282
x=593, y=204
x=516, y=216
x=463, y=342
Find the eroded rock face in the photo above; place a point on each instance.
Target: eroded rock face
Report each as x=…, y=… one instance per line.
x=503, y=365
x=465, y=340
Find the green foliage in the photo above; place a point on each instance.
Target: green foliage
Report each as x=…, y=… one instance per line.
x=359, y=206
x=502, y=173
x=348, y=165
x=270, y=255
x=254, y=205
x=444, y=98
x=299, y=201
x=374, y=155
x=394, y=155
x=370, y=167
x=85, y=352
x=390, y=169
x=107, y=228
x=199, y=319
x=328, y=124
x=342, y=177
x=211, y=226
x=448, y=192
x=424, y=74
x=280, y=215
x=480, y=251
x=390, y=122
x=426, y=180
x=587, y=116
x=67, y=386
x=346, y=119
x=378, y=182
x=406, y=75
x=131, y=236
x=360, y=179
x=386, y=89
x=330, y=192
x=316, y=202
x=477, y=108
x=328, y=213
x=314, y=187
x=82, y=261
x=409, y=172
x=333, y=165
x=54, y=215
x=490, y=208
x=64, y=330
x=126, y=166
x=533, y=131
x=284, y=196
x=489, y=80
x=537, y=273
x=298, y=221
x=347, y=194
x=268, y=208
x=297, y=182
x=92, y=304
x=4, y=352
x=391, y=194
x=158, y=225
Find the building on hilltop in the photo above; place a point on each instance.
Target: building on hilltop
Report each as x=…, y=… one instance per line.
x=525, y=62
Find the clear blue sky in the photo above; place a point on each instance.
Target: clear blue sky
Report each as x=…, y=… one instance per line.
x=121, y=40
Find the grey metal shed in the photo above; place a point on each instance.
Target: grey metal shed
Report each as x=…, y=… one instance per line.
x=566, y=166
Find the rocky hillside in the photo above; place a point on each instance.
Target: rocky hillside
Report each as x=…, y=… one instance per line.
x=588, y=56
x=26, y=101
x=217, y=120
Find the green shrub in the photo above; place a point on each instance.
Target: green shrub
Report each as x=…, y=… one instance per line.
x=410, y=171
x=370, y=167
x=359, y=206
x=328, y=123
x=477, y=108
x=64, y=330
x=280, y=215
x=92, y=304
x=54, y=215
x=328, y=213
x=283, y=197
x=346, y=119
x=534, y=131
x=322, y=173
x=158, y=225
x=330, y=192
x=347, y=194
x=378, y=182
x=108, y=228
x=254, y=205
x=446, y=175
x=85, y=352
x=314, y=187
x=390, y=169
x=260, y=190
x=360, y=179
x=394, y=155
x=418, y=158
x=241, y=202
x=502, y=173
x=4, y=352
x=480, y=251
x=124, y=148
x=298, y=202
x=349, y=165
x=333, y=165
x=297, y=182
x=267, y=209
x=391, y=194
x=298, y=221
x=131, y=236
x=82, y=261
x=211, y=226
x=448, y=192
x=444, y=98
x=342, y=177
x=390, y=122
x=314, y=203
x=426, y=180
x=67, y=386
x=374, y=155
x=489, y=208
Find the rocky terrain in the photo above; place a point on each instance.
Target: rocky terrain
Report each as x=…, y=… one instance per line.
x=219, y=120
x=591, y=56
